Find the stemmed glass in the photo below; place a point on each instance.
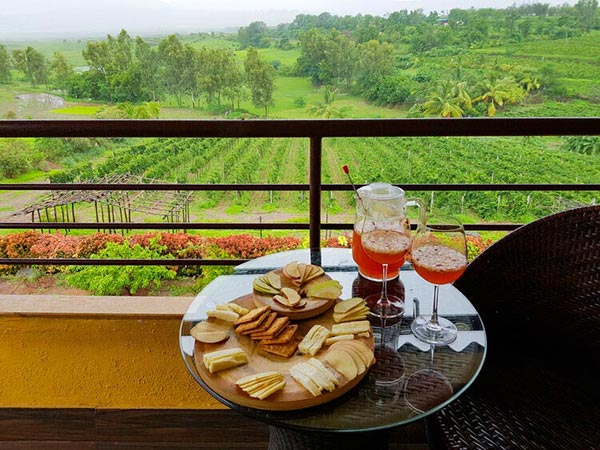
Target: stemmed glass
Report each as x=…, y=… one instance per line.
x=439, y=255
x=386, y=240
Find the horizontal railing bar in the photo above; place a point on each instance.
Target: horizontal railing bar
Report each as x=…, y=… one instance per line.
x=563, y=126
x=213, y=226
x=468, y=227
x=154, y=226
x=120, y=262
x=288, y=187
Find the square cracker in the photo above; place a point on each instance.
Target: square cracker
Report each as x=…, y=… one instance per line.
x=282, y=338
x=276, y=327
x=252, y=315
x=266, y=323
x=285, y=350
x=249, y=327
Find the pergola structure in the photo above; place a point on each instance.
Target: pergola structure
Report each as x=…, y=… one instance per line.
x=113, y=206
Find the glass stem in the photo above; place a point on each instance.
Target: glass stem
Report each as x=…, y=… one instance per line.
x=434, y=314
x=384, y=297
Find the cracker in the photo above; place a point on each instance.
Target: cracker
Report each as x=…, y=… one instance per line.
x=284, y=337
x=276, y=327
x=249, y=327
x=252, y=315
x=266, y=323
x=285, y=350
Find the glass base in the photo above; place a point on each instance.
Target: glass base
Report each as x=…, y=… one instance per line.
x=379, y=279
x=426, y=389
x=443, y=334
x=388, y=368
x=393, y=308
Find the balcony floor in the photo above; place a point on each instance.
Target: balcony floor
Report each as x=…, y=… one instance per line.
x=81, y=429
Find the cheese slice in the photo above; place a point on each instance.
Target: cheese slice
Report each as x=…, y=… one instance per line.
x=224, y=359
x=359, y=326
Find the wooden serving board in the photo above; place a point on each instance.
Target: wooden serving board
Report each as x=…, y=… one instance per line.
x=293, y=396
x=314, y=306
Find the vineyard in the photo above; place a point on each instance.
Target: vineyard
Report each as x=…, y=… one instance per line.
x=398, y=160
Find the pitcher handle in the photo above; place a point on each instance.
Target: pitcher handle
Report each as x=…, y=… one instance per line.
x=422, y=211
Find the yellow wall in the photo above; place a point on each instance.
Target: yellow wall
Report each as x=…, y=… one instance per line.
x=91, y=362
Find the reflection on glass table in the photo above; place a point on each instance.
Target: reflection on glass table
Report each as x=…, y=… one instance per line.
x=378, y=402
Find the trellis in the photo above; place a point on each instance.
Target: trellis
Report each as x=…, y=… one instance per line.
x=113, y=206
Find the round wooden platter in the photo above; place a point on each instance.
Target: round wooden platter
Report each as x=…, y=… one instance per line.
x=314, y=306
x=293, y=395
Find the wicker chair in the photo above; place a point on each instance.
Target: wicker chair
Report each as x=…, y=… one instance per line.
x=538, y=292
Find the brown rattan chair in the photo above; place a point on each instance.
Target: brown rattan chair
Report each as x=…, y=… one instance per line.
x=538, y=292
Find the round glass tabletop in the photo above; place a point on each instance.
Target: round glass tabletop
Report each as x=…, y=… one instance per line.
x=411, y=379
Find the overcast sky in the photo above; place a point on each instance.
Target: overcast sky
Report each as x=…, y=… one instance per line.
x=31, y=18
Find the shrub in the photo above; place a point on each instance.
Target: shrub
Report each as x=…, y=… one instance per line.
x=112, y=280
x=247, y=246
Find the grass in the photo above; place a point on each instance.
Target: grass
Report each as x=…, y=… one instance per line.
x=83, y=110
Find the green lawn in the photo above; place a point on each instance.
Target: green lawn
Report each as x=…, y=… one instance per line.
x=83, y=110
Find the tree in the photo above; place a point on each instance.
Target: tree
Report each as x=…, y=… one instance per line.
x=326, y=109
x=149, y=67
x=4, y=65
x=312, y=52
x=260, y=77
x=375, y=62
x=254, y=35
x=339, y=62
x=60, y=70
x=448, y=99
x=33, y=65
x=111, y=62
x=171, y=53
x=219, y=76
x=497, y=92
x=586, y=14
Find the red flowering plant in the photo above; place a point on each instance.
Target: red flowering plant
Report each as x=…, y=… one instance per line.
x=246, y=246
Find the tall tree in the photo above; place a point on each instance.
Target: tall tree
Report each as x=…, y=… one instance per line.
x=312, y=52
x=5, y=65
x=376, y=60
x=148, y=67
x=586, y=14
x=33, y=65
x=254, y=35
x=339, y=64
x=172, y=55
x=260, y=77
x=60, y=70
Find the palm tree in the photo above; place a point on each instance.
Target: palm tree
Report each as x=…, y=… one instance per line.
x=498, y=92
x=448, y=99
x=327, y=109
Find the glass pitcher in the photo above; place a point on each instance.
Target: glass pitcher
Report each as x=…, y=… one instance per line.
x=379, y=200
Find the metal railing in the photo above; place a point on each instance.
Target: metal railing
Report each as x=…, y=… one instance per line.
x=314, y=130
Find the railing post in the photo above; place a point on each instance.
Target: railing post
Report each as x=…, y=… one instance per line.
x=315, y=194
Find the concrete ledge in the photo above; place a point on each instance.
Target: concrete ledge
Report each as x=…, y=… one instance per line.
x=93, y=306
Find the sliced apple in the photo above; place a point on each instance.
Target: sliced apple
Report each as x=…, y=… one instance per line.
x=342, y=361
x=210, y=337
x=282, y=300
x=291, y=270
x=330, y=289
x=274, y=280
x=292, y=296
x=360, y=363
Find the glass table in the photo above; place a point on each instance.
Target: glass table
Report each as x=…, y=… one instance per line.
x=410, y=380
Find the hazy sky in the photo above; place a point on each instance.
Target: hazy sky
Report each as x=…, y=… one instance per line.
x=30, y=18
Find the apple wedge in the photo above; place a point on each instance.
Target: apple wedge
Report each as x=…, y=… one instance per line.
x=342, y=361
